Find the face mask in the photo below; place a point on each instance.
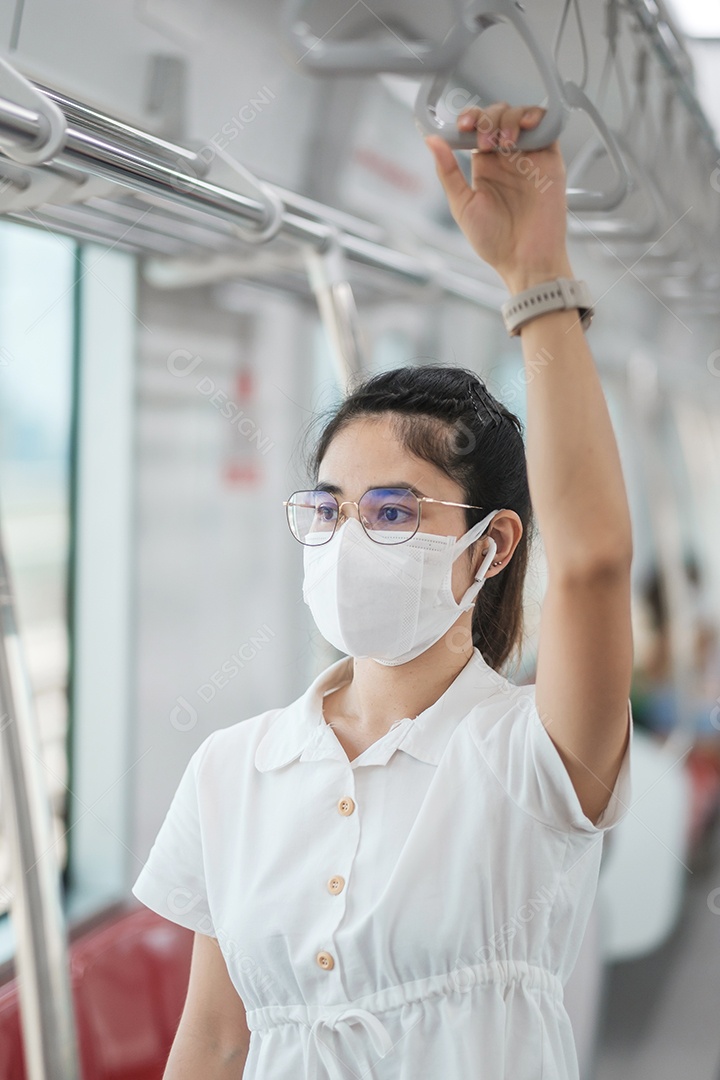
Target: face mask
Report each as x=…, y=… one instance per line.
x=388, y=602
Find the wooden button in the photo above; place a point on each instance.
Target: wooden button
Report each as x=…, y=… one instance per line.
x=325, y=960
x=346, y=806
x=336, y=884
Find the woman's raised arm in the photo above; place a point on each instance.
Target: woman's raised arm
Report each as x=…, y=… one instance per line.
x=514, y=215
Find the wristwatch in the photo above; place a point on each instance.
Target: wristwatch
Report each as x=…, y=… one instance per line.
x=562, y=294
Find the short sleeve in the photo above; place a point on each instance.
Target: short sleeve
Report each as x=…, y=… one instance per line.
x=527, y=763
x=172, y=881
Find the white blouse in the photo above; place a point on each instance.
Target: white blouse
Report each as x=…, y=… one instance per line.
x=409, y=915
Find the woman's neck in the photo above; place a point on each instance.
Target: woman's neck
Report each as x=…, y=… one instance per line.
x=379, y=694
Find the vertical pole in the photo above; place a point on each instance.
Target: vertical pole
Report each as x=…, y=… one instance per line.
x=327, y=274
x=41, y=952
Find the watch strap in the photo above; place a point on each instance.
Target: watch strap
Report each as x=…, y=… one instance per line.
x=560, y=294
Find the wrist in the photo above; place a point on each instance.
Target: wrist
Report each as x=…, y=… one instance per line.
x=561, y=294
x=526, y=277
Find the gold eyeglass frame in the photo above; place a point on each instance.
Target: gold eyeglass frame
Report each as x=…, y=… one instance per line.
x=420, y=499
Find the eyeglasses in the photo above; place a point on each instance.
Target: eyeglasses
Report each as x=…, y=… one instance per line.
x=388, y=515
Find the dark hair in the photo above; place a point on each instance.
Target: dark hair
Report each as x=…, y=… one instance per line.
x=654, y=591
x=445, y=415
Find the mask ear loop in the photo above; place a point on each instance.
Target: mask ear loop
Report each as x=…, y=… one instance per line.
x=472, y=590
x=473, y=534
x=465, y=542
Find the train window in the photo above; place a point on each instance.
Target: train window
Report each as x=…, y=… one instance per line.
x=37, y=295
x=67, y=350
x=101, y=752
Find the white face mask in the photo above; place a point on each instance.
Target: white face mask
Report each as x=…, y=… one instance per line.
x=388, y=602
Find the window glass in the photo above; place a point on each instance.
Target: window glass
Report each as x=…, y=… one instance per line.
x=36, y=359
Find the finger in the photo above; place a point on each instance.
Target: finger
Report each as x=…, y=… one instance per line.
x=532, y=116
x=485, y=122
x=499, y=125
x=449, y=172
x=509, y=124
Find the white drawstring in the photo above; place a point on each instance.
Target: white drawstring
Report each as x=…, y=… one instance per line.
x=319, y=1052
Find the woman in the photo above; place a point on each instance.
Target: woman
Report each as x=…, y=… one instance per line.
x=391, y=877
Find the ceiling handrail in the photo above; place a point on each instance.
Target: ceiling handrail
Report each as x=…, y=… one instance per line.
x=90, y=153
x=330, y=56
x=133, y=137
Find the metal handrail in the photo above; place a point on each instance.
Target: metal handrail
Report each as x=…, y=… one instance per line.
x=46, y=1005
x=338, y=313
x=93, y=154
x=328, y=55
x=93, y=120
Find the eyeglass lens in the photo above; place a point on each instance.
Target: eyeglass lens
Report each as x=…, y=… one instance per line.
x=388, y=515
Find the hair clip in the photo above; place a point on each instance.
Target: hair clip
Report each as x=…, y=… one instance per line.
x=485, y=403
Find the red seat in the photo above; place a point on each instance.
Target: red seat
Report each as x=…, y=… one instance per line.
x=129, y=977
x=704, y=768
x=12, y=1059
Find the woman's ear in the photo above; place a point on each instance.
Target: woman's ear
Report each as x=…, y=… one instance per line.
x=506, y=530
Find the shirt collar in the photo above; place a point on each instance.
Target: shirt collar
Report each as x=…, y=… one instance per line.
x=302, y=723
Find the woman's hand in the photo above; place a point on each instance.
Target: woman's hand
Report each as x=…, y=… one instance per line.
x=515, y=213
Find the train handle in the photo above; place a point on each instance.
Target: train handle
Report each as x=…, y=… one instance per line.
x=273, y=206
x=478, y=17
x=584, y=199
x=44, y=144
